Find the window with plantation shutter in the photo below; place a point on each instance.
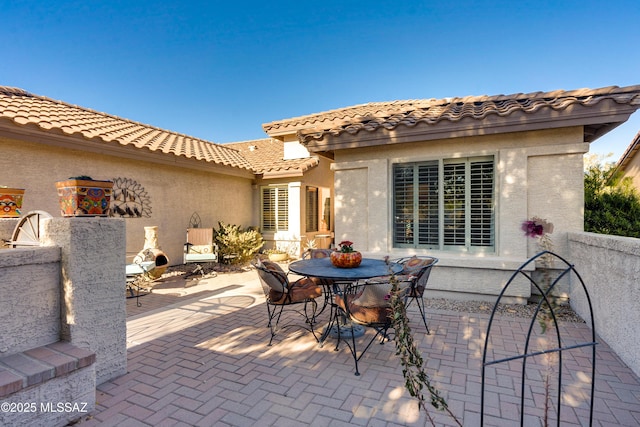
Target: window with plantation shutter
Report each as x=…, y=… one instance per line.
x=403, y=208
x=446, y=204
x=311, y=204
x=454, y=204
x=481, y=203
x=275, y=208
x=415, y=213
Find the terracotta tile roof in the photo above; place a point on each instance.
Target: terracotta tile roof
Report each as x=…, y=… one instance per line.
x=389, y=115
x=267, y=156
x=25, y=109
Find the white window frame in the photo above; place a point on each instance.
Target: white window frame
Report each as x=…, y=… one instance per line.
x=279, y=197
x=458, y=218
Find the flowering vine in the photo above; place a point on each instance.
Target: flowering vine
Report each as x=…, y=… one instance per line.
x=413, y=370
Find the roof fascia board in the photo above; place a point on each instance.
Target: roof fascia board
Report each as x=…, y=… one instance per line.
x=75, y=142
x=283, y=174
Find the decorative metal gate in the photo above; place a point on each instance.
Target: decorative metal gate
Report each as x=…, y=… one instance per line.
x=544, y=312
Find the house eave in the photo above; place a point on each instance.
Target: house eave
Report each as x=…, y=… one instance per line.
x=596, y=121
x=34, y=134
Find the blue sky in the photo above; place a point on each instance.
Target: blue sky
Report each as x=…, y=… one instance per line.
x=218, y=70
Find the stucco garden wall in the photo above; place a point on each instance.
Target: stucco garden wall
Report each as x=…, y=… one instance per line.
x=62, y=319
x=610, y=269
x=174, y=193
x=30, y=302
x=537, y=174
x=93, y=312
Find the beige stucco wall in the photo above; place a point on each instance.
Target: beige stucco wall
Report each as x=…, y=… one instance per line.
x=537, y=174
x=632, y=170
x=30, y=303
x=175, y=193
x=69, y=289
x=93, y=311
x=610, y=269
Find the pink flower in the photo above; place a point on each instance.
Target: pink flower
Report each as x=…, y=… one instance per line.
x=537, y=227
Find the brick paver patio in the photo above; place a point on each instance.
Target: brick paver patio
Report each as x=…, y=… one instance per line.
x=198, y=356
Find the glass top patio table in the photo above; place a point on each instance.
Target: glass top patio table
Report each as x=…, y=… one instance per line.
x=322, y=268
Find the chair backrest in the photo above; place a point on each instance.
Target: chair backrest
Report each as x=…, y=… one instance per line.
x=200, y=236
x=420, y=269
x=317, y=253
x=200, y=241
x=272, y=277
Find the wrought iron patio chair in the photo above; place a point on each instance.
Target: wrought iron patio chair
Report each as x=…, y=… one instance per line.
x=139, y=279
x=416, y=271
x=368, y=305
x=321, y=253
x=414, y=276
x=280, y=293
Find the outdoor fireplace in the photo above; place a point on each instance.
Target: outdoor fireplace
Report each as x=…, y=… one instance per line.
x=152, y=252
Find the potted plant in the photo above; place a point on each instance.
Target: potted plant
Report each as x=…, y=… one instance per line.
x=84, y=196
x=10, y=202
x=346, y=256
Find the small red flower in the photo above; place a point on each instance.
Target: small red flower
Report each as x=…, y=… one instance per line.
x=346, y=246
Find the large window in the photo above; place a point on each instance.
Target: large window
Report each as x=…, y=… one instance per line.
x=444, y=204
x=275, y=208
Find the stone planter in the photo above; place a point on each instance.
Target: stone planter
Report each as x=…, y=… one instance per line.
x=83, y=197
x=278, y=257
x=11, y=202
x=346, y=259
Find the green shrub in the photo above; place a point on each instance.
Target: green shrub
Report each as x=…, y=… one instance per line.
x=235, y=245
x=611, y=205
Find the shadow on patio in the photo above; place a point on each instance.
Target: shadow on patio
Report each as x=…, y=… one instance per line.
x=203, y=360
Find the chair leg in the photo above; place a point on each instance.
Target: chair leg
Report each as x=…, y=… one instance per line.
x=421, y=307
x=354, y=351
x=309, y=312
x=380, y=330
x=274, y=314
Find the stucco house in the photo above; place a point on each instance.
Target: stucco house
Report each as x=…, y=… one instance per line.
x=161, y=177
x=455, y=178
x=293, y=200
x=629, y=163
